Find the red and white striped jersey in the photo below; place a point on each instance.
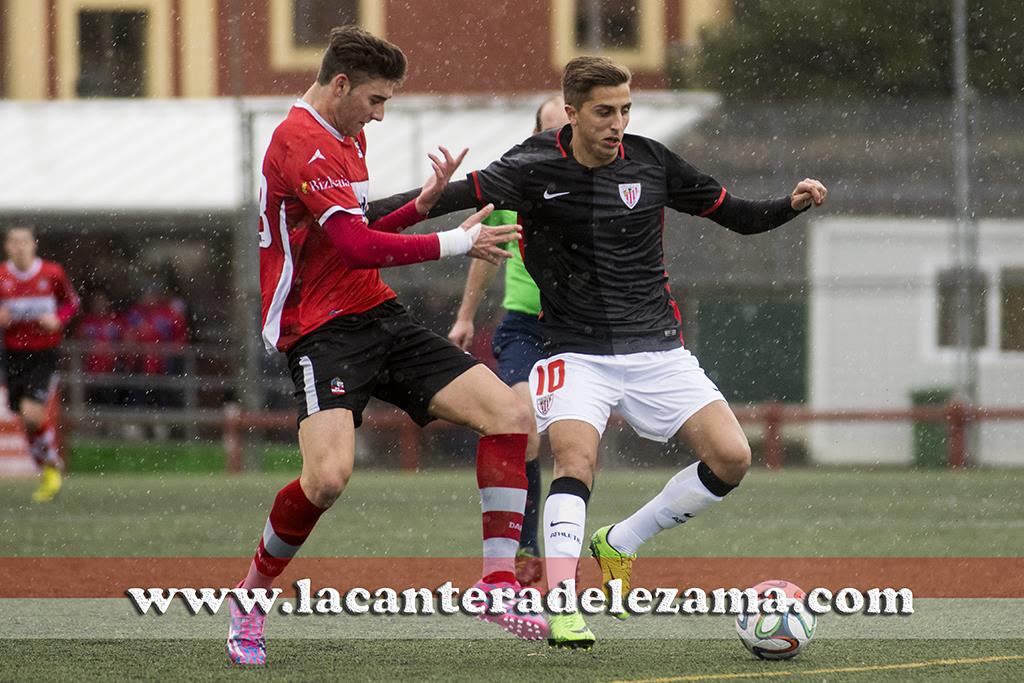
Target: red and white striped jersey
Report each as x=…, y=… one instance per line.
x=43, y=289
x=310, y=172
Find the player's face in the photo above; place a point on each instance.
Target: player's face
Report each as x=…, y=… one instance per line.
x=598, y=126
x=362, y=104
x=20, y=246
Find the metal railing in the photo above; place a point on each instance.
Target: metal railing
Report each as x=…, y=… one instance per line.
x=957, y=417
x=207, y=368
x=772, y=418
x=201, y=379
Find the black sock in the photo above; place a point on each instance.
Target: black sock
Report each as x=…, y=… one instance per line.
x=528, y=539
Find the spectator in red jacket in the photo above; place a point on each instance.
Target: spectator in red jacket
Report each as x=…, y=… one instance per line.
x=102, y=328
x=158, y=324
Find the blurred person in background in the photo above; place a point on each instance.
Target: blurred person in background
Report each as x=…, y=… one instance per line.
x=517, y=344
x=102, y=329
x=159, y=327
x=36, y=303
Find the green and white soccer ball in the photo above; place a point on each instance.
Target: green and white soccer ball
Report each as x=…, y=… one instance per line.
x=779, y=635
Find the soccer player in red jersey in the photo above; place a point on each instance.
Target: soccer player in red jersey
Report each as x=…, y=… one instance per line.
x=347, y=338
x=36, y=303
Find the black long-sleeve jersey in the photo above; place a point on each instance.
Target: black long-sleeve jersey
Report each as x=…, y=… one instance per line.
x=593, y=237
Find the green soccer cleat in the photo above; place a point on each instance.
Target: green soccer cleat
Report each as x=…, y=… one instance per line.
x=569, y=631
x=614, y=565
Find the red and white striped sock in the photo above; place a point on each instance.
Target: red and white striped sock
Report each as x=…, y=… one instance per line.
x=501, y=477
x=291, y=520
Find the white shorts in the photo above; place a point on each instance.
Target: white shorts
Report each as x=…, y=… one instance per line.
x=656, y=392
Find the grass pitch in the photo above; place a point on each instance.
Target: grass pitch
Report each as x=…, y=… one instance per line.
x=807, y=512
x=797, y=512
x=507, y=660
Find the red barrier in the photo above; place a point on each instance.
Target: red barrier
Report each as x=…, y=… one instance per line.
x=109, y=577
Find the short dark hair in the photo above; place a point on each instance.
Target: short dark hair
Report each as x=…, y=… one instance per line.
x=583, y=74
x=361, y=56
x=20, y=226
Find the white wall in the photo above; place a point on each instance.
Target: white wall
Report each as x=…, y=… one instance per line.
x=186, y=155
x=873, y=333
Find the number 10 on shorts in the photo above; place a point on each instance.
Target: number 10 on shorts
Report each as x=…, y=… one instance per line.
x=550, y=376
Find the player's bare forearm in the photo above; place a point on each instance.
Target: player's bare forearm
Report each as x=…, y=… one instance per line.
x=478, y=280
x=481, y=275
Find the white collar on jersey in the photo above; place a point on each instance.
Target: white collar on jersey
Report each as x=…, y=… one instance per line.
x=303, y=104
x=32, y=271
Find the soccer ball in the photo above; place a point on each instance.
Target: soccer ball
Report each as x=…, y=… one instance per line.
x=778, y=636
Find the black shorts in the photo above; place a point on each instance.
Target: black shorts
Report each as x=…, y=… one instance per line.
x=383, y=353
x=517, y=344
x=31, y=375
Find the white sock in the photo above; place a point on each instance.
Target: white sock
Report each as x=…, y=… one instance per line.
x=565, y=518
x=43, y=447
x=683, y=497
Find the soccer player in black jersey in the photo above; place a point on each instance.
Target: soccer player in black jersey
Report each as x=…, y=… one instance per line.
x=591, y=201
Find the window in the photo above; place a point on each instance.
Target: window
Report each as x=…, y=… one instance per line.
x=611, y=24
x=1011, y=309
x=312, y=19
x=952, y=296
x=631, y=32
x=111, y=49
x=115, y=48
x=298, y=28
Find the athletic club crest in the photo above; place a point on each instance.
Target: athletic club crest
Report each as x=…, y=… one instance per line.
x=544, y=404
x=337, y=386
x=630, y=193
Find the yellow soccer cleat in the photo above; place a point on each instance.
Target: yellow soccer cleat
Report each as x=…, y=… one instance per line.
x=50, y=485
x=614, y=565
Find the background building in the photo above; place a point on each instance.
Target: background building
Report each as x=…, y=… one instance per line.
x=135, y=130
x=60, y=49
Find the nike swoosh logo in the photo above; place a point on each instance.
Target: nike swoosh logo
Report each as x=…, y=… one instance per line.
x=552, y=524
x=548, y=195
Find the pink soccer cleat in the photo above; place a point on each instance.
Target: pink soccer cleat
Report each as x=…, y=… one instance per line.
x=525, y=626
x=246, y=644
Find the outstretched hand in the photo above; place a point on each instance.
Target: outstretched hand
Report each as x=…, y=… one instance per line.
x=444, y=168
x=487, y=245
x=808, y=191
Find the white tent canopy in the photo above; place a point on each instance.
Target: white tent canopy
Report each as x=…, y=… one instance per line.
x=186, y=155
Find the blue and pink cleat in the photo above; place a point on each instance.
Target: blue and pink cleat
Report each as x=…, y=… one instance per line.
x=246, y=644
